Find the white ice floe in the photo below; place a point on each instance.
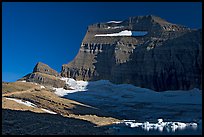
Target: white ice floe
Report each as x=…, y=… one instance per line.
x=124, y=33
x=48, y=111
x=27, y=103
x=114, y=21
x=160, y=125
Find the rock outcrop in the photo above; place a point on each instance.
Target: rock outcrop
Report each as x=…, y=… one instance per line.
x=43, y=68
x=166, y=57
x=44, y=75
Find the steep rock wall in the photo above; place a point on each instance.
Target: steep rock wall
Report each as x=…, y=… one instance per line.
x=168, y=57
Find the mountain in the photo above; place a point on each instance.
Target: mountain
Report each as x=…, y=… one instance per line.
x=146, y=51
x=45, y=75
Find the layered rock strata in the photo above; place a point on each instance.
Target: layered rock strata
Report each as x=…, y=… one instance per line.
x=45, y=75
x=167, y=57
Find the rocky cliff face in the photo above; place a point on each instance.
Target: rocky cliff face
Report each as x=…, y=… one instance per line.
x=43, y=68
x=45, y=75
x=146, y=51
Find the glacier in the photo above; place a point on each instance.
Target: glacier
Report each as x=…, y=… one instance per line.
x=137, y=107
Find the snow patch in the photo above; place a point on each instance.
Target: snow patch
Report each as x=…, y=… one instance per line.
x=27, y=103
x=128, y=92
x=124, y=33
x=117, y=27
x=48, y=111
x=114, y=21
x=75, y=86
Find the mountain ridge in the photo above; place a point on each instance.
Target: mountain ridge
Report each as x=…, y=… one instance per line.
x=168, y=57
x=101, y=57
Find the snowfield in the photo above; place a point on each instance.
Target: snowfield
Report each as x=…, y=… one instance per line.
x=127, y=91
x=75, y=85
x=125, y=101
x=124, y=33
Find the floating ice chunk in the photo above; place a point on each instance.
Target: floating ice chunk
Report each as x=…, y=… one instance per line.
x=136, y=124
x=160, y=125
x=160, y=128
x=193, y=124
x=160, y=120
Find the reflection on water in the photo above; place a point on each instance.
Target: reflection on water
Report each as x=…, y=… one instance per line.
x=161, y=127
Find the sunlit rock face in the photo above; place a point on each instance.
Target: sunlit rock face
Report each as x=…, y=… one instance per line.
x=146, y=51
x=43, y=68
x=43, y=74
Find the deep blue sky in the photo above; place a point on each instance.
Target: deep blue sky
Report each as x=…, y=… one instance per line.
x=52, y=32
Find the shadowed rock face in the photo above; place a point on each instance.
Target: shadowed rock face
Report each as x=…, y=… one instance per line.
x=168, y=57
x=46, y=80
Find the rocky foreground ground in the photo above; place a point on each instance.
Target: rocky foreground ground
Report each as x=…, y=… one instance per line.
x=68, y=118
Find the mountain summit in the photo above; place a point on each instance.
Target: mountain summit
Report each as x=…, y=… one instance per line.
x=146, y=51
